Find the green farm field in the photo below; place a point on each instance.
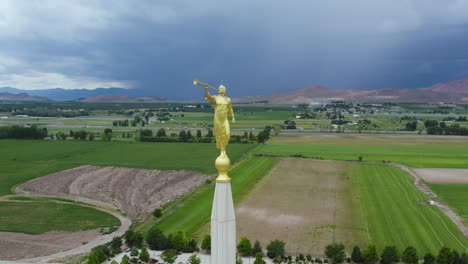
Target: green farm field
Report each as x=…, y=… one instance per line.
x=413, y=151
x=22, y=160
x=40, y=217
x=395, y=212
x=454, y=195
x=193, y=211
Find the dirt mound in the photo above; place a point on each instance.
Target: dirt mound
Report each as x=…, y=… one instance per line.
x=16, y=246
x=135, y=192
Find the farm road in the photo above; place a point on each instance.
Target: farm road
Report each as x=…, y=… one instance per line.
x=425, y=189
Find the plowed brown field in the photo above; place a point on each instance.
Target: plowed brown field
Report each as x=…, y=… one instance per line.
x=136, y=192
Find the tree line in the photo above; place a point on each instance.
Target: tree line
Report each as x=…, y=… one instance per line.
x=20, y=132
x=178, y=242
x=147, y=135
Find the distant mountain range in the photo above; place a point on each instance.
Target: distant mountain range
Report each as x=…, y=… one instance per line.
x=59, y=94
x=122, y=99
x=454, y=91
x=5, y=96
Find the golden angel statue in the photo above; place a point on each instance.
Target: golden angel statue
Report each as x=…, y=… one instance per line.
x=222, y=109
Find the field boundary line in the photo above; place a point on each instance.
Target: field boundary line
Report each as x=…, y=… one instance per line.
x=449, y=212
x=412, y=206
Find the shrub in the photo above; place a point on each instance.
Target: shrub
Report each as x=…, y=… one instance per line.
x=157, y=212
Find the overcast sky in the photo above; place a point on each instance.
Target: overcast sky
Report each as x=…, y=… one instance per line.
x=253, y=47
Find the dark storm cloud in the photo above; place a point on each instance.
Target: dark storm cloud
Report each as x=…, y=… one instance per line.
x=253, y=47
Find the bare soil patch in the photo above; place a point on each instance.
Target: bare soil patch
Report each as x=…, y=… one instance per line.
x=15, y=246
x=136, y=192
x=304, y=202
x=443, y=175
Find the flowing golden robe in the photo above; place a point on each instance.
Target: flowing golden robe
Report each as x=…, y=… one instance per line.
x=222, y=109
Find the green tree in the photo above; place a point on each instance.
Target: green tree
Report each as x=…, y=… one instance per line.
x=389, y=255
x=91, y=136
x=125, y=259
x=209, y=134
x=262, y=137
x=107, y=135
x=156, y=240
x=133, y=239
x=169, y=256
x=192, y=246
x=92, y=258
x=275, y=249
x=356, y=255
x=445, y=256
x=182, y=136
x=157, y=212
x=251, y=136
x=144, y=255
x=369, y=255
x=244, y=247
x=411, y=126
x=134, y=252
x=464, y=258
x=259, y=259
x=194, y=259
x=456, y=257
x=179, y=242
x=116, y=243
x=257, y=248
x=410, y=255
x=206, y=243
x=335, y=252
x=199, y=135
x=429, y=259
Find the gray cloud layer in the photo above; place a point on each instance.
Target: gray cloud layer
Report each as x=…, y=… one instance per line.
x=254, y=47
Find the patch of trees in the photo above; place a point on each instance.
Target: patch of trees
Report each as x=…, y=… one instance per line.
x=83, y=135
x=45, y=112
x=307, y=115
x=436, y=128
x=411, y=126
x=20, y=132
x=178, y=241
x=456, y=119
x=147, y=135
x=137, y=120
x=410, y=255
x=289, y=124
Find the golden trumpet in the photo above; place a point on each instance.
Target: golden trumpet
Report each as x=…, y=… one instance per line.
x=196, y=82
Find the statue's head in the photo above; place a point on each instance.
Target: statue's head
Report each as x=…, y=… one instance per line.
x=222, y=90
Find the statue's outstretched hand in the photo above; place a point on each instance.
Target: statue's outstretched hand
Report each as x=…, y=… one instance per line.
x=233, y=120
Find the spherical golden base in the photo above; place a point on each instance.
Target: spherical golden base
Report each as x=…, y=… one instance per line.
x=223, y=164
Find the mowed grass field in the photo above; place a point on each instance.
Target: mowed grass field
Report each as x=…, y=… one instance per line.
x=40, y=217
x=395, y=212
x=454, y=195
x=414, y=151
x=194, y=211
